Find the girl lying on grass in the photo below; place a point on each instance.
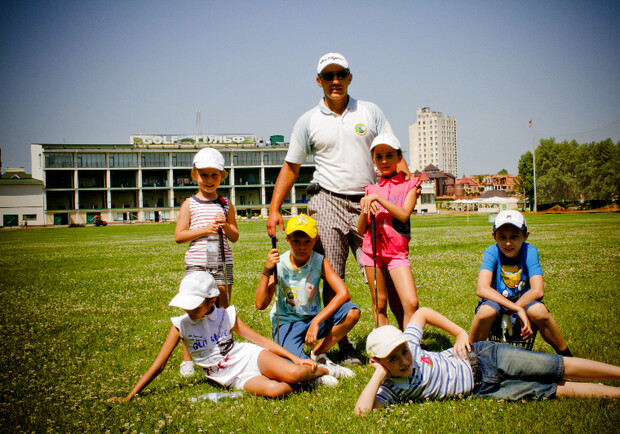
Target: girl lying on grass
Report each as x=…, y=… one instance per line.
x=405, y=372
x=259, y=367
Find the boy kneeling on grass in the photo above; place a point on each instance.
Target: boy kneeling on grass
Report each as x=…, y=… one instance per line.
x=297, y=315
x=259, y=366
x=405, y=372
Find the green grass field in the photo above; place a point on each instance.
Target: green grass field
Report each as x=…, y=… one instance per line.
x=85, y=311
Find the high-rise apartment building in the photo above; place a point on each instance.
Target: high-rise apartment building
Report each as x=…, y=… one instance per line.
x=432, y=140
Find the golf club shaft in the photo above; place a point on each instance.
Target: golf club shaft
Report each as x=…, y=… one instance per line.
x=374, y=265
x=220, y=232
x=275, y=279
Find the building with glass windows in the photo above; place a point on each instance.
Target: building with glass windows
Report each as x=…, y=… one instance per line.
x=148, y=179
x=433, y=140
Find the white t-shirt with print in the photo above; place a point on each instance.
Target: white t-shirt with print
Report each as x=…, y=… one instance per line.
x=210, y=343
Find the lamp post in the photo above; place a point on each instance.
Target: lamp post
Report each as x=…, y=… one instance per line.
x=534, y=165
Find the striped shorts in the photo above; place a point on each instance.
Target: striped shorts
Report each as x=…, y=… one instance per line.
x=336, y=220
x=216, y=272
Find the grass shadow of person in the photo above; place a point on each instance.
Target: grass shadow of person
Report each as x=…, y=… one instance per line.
x=435, y=341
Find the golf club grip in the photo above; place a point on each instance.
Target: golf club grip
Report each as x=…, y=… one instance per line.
x=372, y=233
x=220, y=233
x=274, y=241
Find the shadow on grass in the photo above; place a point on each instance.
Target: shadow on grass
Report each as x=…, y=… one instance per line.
x=435, y=341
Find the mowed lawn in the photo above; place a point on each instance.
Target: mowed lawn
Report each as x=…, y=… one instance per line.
x=85, y=311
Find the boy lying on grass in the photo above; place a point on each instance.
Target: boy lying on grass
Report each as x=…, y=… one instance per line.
x=258, y=366
x=405, y=372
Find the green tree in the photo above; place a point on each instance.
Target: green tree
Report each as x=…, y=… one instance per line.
x=557, y=170
x=525, y=181
x=568, y=172
x=601, y=164
x=503, y=172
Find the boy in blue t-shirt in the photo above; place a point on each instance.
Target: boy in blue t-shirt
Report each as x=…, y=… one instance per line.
x=299, y=317
x=511, y=282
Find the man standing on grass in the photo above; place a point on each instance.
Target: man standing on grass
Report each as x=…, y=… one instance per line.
x=338, y=133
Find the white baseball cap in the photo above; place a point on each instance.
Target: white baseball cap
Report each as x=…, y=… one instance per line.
x=209, y=158
x=510, y=217
x=193, y=290
x=386, y=139
x=331, y=59
x=383, y=340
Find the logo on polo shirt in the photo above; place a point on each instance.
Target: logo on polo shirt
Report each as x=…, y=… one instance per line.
x=361, y=129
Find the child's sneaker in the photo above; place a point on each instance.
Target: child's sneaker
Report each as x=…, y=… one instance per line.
x=339, y=371
x=324, y=380
x=321, y=359
x=187, y=368
x=335, y=370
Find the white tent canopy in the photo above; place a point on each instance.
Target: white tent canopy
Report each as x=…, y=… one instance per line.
x=485, y=205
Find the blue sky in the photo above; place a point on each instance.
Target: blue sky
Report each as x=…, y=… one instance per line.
x=99, y=71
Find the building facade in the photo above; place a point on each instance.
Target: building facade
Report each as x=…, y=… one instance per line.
x=148, y=179
x=433, y=140
x=21, y=199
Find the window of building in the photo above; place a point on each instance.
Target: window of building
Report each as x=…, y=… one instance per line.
x=427, y=198
x=274, y=158
x=183, y=159
x=90, y=160
x=123, y=160
x=57, y=159
x=248, y=159
x=154, y=159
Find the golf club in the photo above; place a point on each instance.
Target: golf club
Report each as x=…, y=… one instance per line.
x=275, y=278
x=374, y=265
x=220, y=232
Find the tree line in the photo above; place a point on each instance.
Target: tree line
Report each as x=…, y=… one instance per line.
x=572, y=174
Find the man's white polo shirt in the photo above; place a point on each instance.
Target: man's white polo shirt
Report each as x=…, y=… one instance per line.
x=340, y=144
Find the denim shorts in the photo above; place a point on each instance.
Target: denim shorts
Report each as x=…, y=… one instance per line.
x=501, y=309
x=293, y=334
x=512, y=373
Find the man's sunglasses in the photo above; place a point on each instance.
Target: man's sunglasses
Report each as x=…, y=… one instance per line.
x=340, y=75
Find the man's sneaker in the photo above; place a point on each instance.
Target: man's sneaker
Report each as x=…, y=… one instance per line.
x=187, y=368
x=348, y=354
x=324, y=380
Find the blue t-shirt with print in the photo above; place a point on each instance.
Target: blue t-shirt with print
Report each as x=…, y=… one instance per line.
x=511, y=276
